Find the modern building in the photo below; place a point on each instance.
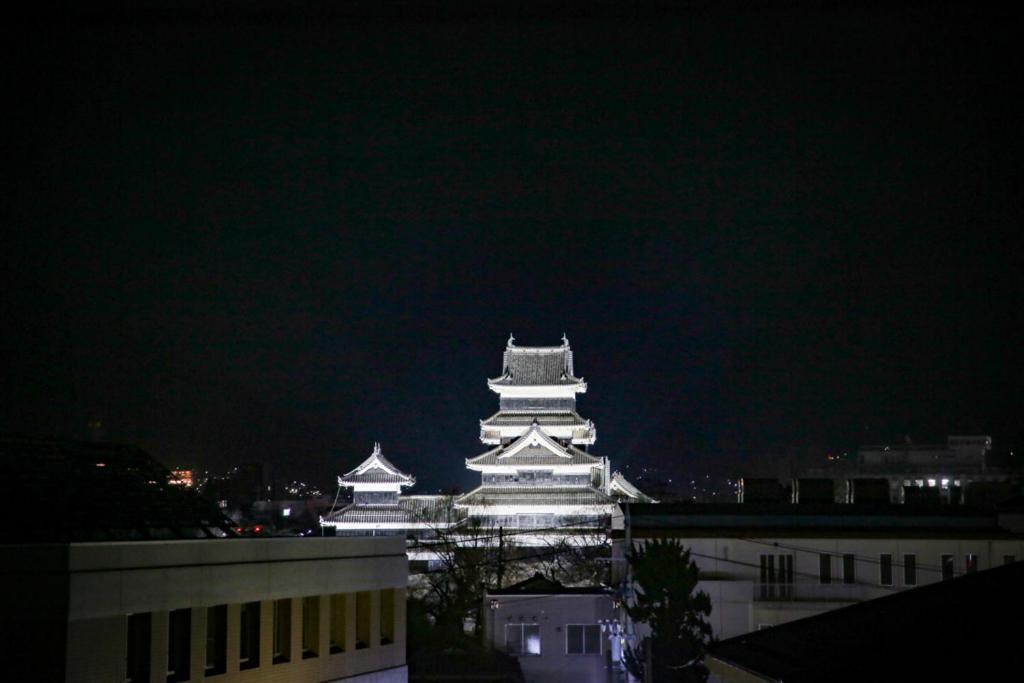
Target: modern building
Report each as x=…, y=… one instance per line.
x=559, y=634
x=767, y=564
x=955, y=472
x=141, y=581
x=964, y=629
x=538, y=477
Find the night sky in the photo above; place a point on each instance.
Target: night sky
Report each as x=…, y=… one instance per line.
x=769, y=234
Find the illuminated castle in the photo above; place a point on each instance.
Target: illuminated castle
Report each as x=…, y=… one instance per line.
x=537, y=475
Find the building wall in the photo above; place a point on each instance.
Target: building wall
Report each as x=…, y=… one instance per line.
x=731, y=568
x=552, y=613
x=109, y=581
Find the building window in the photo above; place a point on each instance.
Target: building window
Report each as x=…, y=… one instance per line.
x=338, y=605
x=947, y=567
x=282, y=630
x=249, y=636
x=776, y=583
x=387, y=616
x=910, y=570
x=583, y=639
x=824, y=568
x=849, y=568
x=1009, y=559
x=522, y=639
x=216, y=639
x=362, y=620
x=885, y=569
x=179, y=640
x=137, y=651
x=310, y=626
x=970, y=563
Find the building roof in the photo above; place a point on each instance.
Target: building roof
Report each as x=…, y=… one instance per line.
x=880, y=520
x=516, y=418
x=620, y=487
x=376, y=470
x=966, y=628
x=534, y=495
x=102, y=491
x=409, y=510
x=537, y=365
x=538, y=584
x=534, y=448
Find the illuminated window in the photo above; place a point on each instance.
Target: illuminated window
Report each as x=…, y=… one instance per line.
x=310, y=626
x=522, y=639
x=583, y=639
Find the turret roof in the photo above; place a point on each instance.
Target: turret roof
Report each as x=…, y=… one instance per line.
x=376, y=470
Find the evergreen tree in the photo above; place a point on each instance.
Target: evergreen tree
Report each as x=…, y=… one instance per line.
x=666, y=600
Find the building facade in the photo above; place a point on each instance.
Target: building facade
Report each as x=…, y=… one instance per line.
x=224, y=610
x=764, y=565
x=558, y=634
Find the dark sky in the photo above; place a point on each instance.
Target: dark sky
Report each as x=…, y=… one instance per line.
x=768, y=233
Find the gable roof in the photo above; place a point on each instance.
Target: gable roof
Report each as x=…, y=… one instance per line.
x=534, y=447
x=376, y=470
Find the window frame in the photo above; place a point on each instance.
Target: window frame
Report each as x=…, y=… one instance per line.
x=885, y=565
x=522, y=639
x=583, y=641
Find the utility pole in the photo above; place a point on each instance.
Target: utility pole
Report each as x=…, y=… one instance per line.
x=501, y=556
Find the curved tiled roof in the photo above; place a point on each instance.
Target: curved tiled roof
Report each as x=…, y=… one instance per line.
x=535, y=455
x=537, y=366
x=376, y=470
x=535, y=495
x=518, y=418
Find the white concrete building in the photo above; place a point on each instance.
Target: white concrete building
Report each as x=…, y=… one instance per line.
x=558, y=634
x=225, y=610
x=764, y=565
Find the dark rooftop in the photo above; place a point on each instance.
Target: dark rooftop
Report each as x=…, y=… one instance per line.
x=962, y=629
x=58, y=491
x=731, y=519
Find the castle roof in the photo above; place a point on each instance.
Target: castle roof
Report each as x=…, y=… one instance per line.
x=376, y=470
x=517, y=418
x=534, y=448
x=620, y=487
x=569, y=496
x=536, y=365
